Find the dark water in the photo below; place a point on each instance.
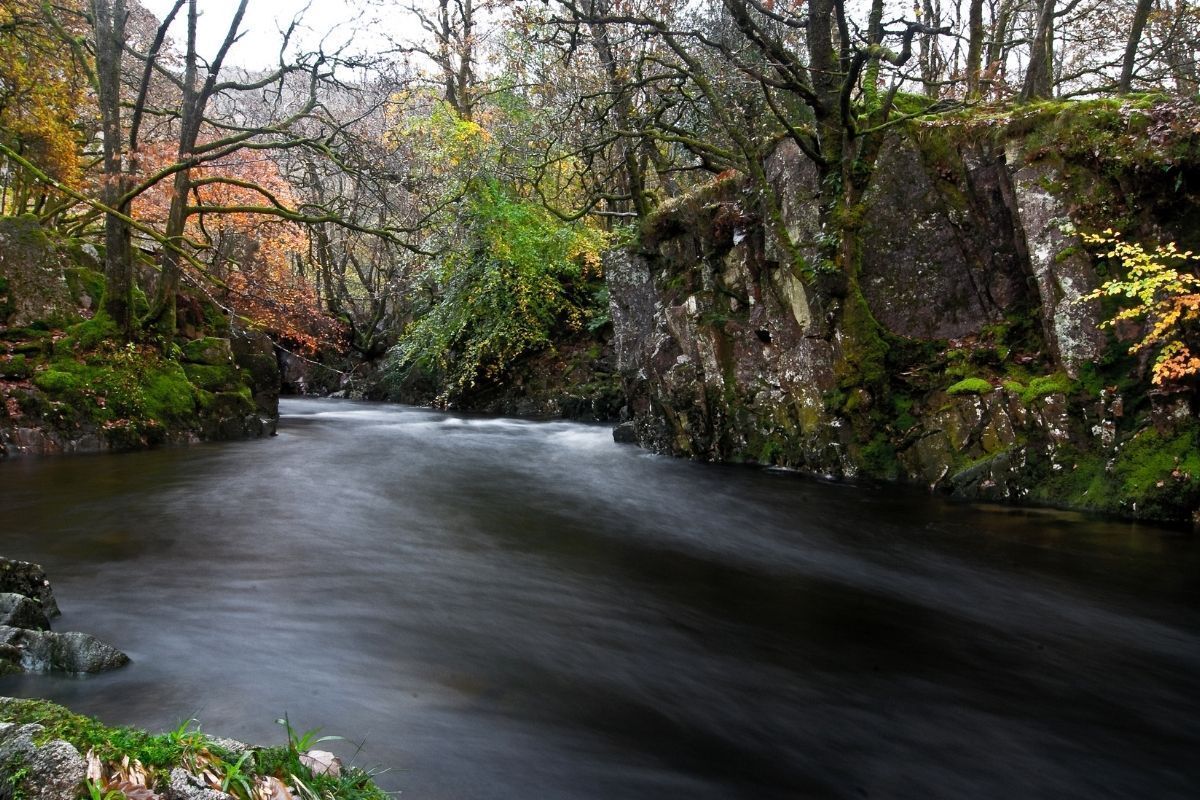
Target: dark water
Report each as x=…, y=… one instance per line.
x=505, y=609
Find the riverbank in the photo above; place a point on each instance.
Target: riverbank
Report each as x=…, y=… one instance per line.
x=49, y=753
x=70, y=383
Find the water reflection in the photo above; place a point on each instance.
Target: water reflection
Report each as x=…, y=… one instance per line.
x=506, y=609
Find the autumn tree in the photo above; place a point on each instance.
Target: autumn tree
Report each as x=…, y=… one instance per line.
x=194, y=111
x=44, y=107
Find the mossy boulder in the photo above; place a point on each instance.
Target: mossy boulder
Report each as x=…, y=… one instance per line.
x=15, y=367
x=32, y=269
x=224, y=378
x=209, y=350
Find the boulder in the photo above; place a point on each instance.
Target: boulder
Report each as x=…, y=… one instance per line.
x=625, y=433
x=71, y=652
x=24, y=578
x=33, y=286
x=211, y=351
x=52, y=771
x=19, y=611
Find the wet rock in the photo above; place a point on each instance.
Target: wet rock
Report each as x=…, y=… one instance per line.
x=969, y=258
x=71, y=651
x=53, y=771
x=19, y=611
x=941, y=262
x=254, y=354
x=625, y=433
x=1060, y=266
x=25, y=578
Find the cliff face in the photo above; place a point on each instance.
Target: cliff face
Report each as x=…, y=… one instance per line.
x=983, y=373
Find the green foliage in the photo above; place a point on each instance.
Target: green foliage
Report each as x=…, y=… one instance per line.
x=970, y=386
x=878, y=458
x=97, y=791
x=15, y=771
x=506, y=295
x=599, y=314
x=238, y=777
x=298, y=741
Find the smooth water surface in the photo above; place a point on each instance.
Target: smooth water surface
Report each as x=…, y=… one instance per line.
x=510, y=609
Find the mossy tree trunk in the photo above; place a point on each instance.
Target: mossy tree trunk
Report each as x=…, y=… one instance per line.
x=109, y=18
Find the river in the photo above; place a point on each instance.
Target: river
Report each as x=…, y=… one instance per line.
x=499, y=609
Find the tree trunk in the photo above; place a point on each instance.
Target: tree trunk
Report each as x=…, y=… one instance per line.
x=109, y=19
x=1140, y=15
x=164, y=317
x=997, y=51
x=1039, y=78
x=974, y=48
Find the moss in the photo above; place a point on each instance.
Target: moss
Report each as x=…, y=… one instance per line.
x=911, y=103
x=6, y=307
x=184, y=746
x=1045, y=385
x=161, y=751
x=82, y=281
x=902, y=408
x=1155, y=475
x=878, y=458
x=1159, y=473
x=121, y=389
x=90, y=334
x=14, y=367
x=970, y=386
x=207, y=350
x=864, y=351
x=214, y=378
x=1067, y=253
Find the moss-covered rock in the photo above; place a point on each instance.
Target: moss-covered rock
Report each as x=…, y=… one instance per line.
x=32, y=268
x=957, y=351
x=210, y=351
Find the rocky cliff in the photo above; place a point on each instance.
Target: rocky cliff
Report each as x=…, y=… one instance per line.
x=964, y=358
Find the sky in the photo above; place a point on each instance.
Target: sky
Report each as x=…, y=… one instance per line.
x=364, y=24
